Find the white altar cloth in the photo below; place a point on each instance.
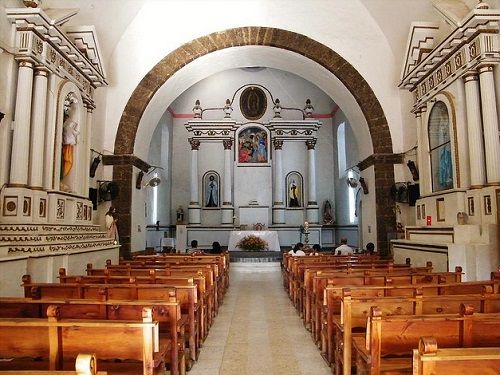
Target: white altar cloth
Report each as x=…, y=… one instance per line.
x=270, y=236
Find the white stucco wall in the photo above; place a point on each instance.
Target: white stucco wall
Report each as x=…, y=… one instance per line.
x=346, y=37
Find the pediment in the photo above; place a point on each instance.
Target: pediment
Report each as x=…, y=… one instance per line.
x=85, y=39
x=421, y=41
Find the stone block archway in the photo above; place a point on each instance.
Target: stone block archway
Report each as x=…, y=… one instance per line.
x=270, y=37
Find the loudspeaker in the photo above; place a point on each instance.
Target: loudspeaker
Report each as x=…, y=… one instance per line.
x=94, y=165
x=93, y=197
x=108, y=190
x=413, y=194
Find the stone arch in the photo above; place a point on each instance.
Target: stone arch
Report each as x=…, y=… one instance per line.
x=270, y=37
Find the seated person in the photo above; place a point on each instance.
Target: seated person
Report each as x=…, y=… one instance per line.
x=344, y=249
x=370, y=248
x=297, y=250
x=316, y=249
x=194, y=247
x=216, y=248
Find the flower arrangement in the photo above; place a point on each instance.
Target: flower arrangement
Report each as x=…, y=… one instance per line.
x=252, y=243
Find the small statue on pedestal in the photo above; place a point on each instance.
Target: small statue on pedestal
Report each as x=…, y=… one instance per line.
x=180, y=215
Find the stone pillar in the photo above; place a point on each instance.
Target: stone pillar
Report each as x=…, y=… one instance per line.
x=194, y=208
x=490, y=124
x=475, y=131
x=420, y=151
x=37, y=166
x=424, y=167
x=227, y=201
x=312, y=204
x=88, y=136
x=21, y=138
x=278, y=204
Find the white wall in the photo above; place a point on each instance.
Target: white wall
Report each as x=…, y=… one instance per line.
x=346, y=37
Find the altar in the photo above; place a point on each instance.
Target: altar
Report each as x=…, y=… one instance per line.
x=270, y=236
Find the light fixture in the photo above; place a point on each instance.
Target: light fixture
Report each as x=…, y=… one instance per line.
x=154, y=182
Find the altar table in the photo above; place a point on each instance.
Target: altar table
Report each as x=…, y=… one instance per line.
x=270, y=236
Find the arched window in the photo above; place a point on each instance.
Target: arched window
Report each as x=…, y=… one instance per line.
x=341, y=150
x=440, y=147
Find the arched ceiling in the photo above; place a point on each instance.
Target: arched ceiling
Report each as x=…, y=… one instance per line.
x=238, y=57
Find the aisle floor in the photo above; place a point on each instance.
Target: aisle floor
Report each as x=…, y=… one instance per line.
x=257, y=330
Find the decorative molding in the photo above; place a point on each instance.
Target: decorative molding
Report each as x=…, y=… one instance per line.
x=473, y=44
x=40, y=38
x=421, y=40
x=311, y=144
x=278, y=144
x=195, y=144
x=228, y=144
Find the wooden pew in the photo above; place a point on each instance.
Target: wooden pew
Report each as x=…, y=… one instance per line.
x=63, y=339
x=354, y=314
x=203, y=277
x=333, y=294
x=428, y=359
x=179, y=280
x=166, y=313
x=389, y=340
x=185, y=294
x=315, y=293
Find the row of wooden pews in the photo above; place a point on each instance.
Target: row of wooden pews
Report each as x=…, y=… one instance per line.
x=140, y=316
x=367, y=314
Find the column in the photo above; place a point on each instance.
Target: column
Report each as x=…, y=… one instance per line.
x=194, y=205
x=312, y=204
x=490, y=124
x=423, y=146
x=420, y=156
x=278, y=204
x=475, y=130
x=21, y=138
x=227, y=202
x=37, y=166
x=89, y=106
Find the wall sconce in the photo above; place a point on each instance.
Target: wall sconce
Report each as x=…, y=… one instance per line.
x=363, y=184
x=153, y=182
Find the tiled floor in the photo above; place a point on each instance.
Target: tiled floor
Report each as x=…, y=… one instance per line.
x=257, y=330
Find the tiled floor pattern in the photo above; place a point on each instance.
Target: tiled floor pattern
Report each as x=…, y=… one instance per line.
x=257, y=330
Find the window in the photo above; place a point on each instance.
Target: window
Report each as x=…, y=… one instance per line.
x=341, y=152
x=440, y=148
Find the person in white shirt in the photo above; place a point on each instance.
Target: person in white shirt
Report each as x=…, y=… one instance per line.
x=344, y=249
x=297, y=250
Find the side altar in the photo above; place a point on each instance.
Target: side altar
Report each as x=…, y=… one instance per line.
x=270, y=236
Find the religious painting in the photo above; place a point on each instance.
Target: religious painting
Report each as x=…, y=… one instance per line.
x=211, y=191
x=253, y=103
x=253, y=146
x=440, y=147
x=294, y=190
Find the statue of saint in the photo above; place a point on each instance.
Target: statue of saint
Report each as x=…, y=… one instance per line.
x=327, y=213
x=180, y=215
x=293, y=199
x=212, y=195
x=71, y=130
